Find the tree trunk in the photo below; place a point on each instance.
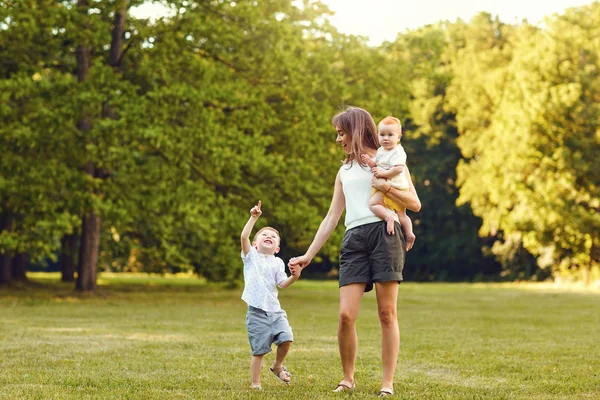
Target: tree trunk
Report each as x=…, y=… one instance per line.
x=5, y=269
x=90, y=229
x=87, y=259
x=89, y=246
x=18, y=267
x=116, y=47
x=83, y=53
x=88, y=252
x=67, y=257
x=6, y=258
x=118, y=35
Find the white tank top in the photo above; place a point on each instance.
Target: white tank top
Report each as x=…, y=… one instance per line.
x=356, y=183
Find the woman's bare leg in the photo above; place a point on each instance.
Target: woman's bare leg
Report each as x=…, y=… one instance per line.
x=350, y=298
x=387, y=297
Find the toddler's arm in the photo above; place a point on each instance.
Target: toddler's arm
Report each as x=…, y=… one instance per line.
x=368, y=160
x=408, y=199
x=255, y=212
x=389, y=173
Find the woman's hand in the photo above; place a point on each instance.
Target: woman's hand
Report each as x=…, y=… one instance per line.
x=297, y=264
x=405, y=198
x=380, y=184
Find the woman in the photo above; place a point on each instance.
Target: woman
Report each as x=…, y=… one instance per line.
x=369, y=255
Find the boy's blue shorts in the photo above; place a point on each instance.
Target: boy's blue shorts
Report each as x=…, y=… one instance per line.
x=265, y=328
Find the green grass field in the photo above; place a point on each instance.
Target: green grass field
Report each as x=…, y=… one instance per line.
x=145, y=337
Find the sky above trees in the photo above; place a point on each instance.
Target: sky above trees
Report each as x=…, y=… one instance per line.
x=382, y=20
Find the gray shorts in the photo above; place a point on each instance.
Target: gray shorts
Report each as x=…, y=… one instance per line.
x=265, y=328
x=370, y=255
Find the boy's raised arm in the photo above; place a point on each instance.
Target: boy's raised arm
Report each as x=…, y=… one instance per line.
x=255, y=212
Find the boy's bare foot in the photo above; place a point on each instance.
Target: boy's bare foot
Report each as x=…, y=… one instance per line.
x=256, y=387
x=410, y=241
x=390, y=225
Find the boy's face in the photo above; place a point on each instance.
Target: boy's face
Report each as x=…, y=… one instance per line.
x=389, y=136
x=267, y=242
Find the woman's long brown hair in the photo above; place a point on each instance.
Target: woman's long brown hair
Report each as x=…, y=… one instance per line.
x=359, y=124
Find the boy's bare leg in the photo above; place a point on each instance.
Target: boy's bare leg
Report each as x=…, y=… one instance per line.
x=407, y=228
x=282, y=351
x=377, y=207
x=255, y=366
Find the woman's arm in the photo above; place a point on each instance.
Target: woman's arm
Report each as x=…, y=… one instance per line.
x=407, y=198
x=338, y=204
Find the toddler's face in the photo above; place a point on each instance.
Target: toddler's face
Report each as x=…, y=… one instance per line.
x=389, y=136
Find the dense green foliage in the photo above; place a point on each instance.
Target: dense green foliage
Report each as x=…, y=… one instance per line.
x=171, y=136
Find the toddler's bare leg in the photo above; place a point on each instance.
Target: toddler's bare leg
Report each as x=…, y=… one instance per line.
x=407, y=228
x=376, y=206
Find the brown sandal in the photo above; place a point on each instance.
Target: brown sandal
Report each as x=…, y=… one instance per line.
x=385, y=392
x=282, y=374
x=343, y=386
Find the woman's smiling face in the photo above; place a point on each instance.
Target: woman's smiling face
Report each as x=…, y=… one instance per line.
x=343, y=139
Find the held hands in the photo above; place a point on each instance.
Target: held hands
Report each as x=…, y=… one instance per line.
x=295, y=271
x=255, y=211
x=297, y=264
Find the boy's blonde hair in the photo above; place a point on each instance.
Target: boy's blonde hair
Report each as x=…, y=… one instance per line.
x=389, y=120
x=268, y=228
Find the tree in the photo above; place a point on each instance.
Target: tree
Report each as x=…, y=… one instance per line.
x=529, y=170
x=449, y=247
x=31, y=137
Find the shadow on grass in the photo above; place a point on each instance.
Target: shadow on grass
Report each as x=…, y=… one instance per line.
x=49, y=285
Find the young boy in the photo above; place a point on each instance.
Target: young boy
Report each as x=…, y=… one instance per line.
x=389, y=163
x=266, y=322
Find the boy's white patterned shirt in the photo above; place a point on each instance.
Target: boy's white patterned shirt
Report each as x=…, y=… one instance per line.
x=262, y=274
